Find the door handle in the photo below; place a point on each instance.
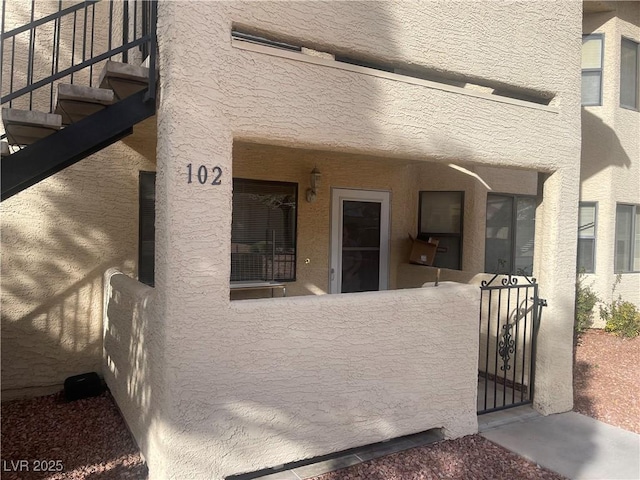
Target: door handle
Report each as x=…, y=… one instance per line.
x=333, y=274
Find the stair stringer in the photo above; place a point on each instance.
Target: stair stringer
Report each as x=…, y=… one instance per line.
x=56, y=152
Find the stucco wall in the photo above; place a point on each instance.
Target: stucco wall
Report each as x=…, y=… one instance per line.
x=610, y=172
x=403, y=178
x=58, y=238
x=132, y=357
x=296, y=377
x=234, y=94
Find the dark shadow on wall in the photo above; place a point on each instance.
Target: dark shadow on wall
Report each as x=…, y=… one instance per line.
x=58, y=238
x=601, y=147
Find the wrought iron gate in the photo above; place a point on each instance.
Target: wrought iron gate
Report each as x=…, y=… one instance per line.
x=509, y=319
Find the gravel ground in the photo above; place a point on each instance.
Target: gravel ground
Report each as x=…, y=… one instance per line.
x=606, y=379
x=88, y=437
x=91, y=441
x=472, y=458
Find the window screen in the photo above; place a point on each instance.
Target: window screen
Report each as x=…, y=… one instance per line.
x=263, y=231
x=627, y=251
x=510, y=233
x=441, y=218
x=586, y=237
x=592, y=69
x=629, y=74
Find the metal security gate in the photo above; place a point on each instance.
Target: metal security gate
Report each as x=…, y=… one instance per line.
x=509, y=319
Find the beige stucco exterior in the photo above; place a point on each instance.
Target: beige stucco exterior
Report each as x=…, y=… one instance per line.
x=610, y=172
x=404, y=179
x=212, y=387
x=59, y=236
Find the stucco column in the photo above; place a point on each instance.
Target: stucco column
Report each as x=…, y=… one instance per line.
x=193, y=225
x=555, y=254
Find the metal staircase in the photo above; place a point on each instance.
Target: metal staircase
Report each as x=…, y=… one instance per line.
x=56, y=110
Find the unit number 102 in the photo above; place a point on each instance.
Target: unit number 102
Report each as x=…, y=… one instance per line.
x=202, y=174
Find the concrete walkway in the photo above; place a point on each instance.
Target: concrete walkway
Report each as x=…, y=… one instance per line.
x=570, y=444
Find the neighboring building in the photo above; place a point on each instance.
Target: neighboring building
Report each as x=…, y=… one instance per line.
x=295, y=145
x=609, y=231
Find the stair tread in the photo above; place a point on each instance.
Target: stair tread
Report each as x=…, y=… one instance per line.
x=81, y=93
x=14, y=116
x=124, y=71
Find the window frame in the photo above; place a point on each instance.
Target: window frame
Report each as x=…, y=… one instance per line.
x=146, y=272
x=594, y=237
x=460, y=236
x=634, y=227
x=514, y=223
x=600, y=70
x=635, y=107
x=295, y=185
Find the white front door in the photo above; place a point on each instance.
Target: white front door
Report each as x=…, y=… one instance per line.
x=359, y=240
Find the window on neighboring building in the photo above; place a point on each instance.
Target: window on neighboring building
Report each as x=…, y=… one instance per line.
x=147, y=228
x=629, y=73
x=263, y=230
x=627, y=251
x=587, y=237
x=592, y=54
x=440, y=216
x=510, y=234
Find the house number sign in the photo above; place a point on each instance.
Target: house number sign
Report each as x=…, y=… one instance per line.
x=204, y=175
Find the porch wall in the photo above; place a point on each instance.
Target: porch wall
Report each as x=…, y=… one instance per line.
x=404, y=179
x=295, y=378
x=214, y=94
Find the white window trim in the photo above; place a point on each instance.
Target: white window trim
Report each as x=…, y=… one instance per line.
x=637, y=106
x=595, y=233
x=600, y=70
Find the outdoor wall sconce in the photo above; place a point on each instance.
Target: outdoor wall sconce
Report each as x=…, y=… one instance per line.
x=312, y=193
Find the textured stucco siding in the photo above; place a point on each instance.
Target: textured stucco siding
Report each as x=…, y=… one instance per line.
x=296, y=377
x=610, y=172
x=233, y=94
x=58, y=238
x=404, y=179
x=131, y=349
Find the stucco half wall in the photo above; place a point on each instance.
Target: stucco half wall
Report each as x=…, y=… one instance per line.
x=295, y=378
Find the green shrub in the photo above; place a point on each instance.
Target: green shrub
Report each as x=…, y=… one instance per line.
x=586, y=299
x=621, y=318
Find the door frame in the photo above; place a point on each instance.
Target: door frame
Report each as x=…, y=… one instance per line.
x=338, y=196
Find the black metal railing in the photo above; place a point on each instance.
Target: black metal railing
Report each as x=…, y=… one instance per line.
x=81, y=39
x=509, y=319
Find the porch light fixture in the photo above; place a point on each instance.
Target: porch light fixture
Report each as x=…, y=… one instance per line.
x=312, y=193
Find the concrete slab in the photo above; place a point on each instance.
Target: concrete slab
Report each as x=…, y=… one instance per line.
x=24, y=127
x=572, y=445
x=489, y=421
x=81, y=93
x=31, y=117
x=75, y=102
x=124, y=79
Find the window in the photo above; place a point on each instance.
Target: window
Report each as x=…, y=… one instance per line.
x=629, y=72
x=263, y=230
x=592, y=54
x=147, y=232
x=587, y=237
x=440, y=215
x=510, y=234
x=627, y=251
